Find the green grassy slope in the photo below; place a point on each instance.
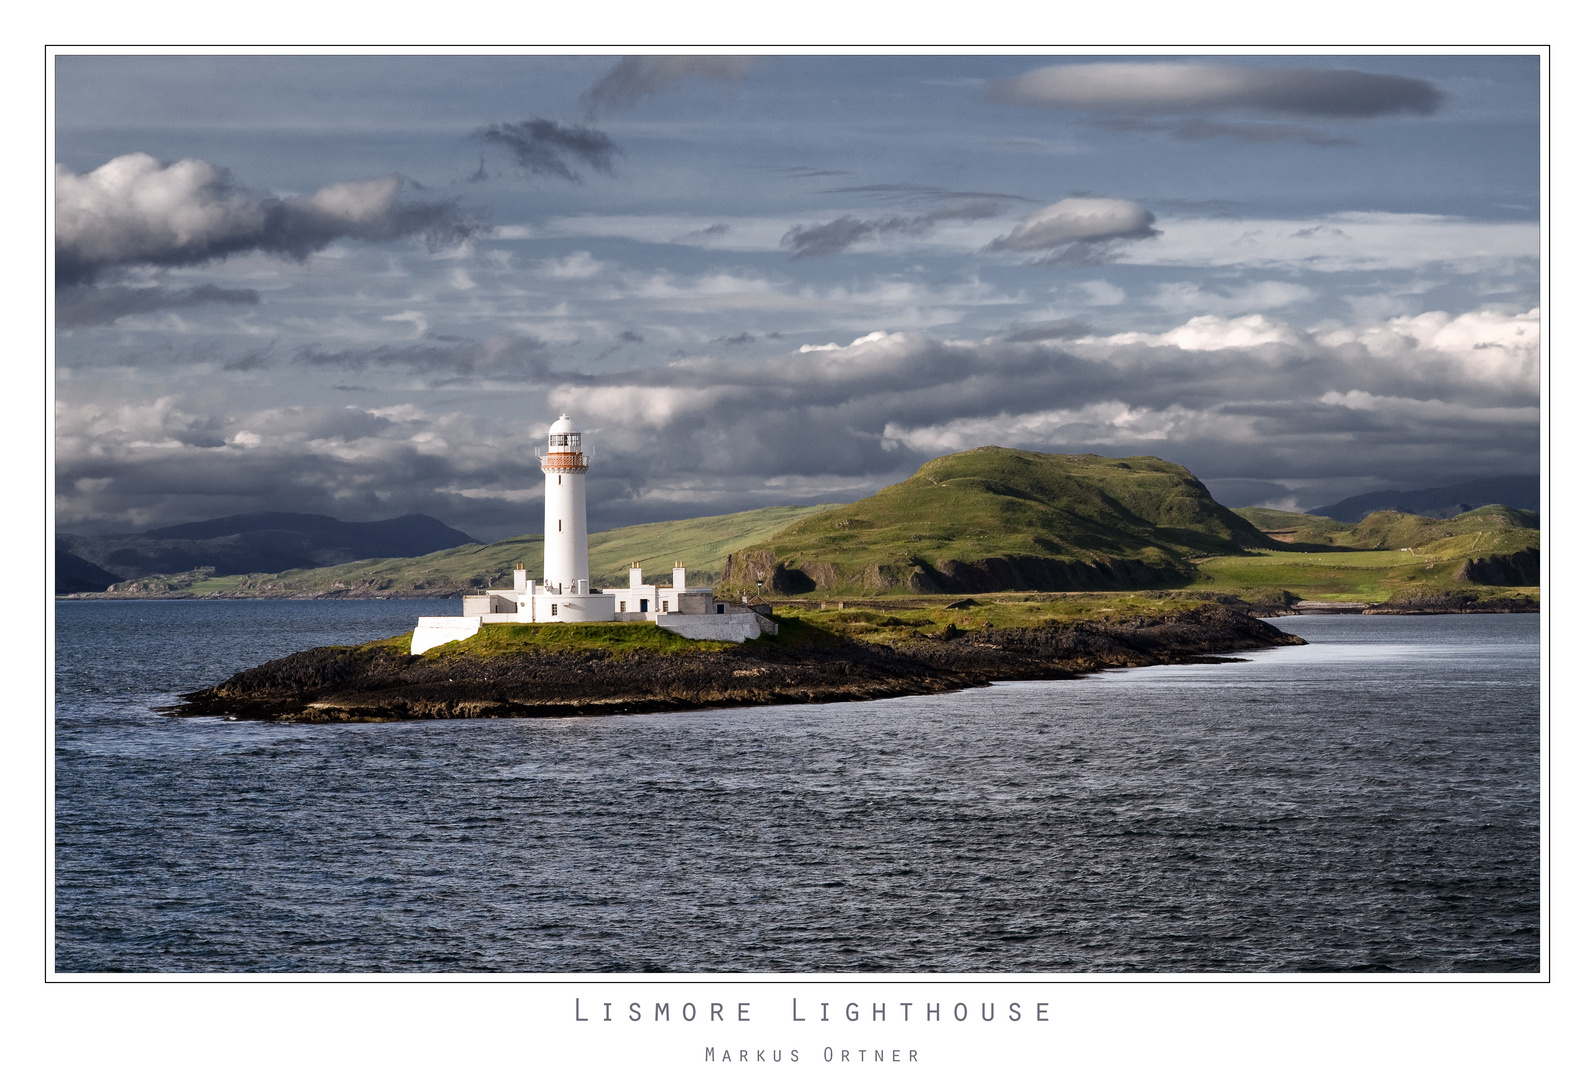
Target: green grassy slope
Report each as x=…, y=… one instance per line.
x=701, y=543
x=1487, y=530
x=1386, y=554
x=1000, y=504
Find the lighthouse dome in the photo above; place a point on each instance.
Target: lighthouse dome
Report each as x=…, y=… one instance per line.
x=563, y=426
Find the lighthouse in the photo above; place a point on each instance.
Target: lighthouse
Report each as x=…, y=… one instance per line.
x=565, y=509
x=565, y=594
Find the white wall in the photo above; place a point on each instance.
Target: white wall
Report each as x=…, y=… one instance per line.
x=743, y=627
x=574, y=607
x=434, y=630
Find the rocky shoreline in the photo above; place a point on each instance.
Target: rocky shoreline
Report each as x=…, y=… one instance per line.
x=375, y=683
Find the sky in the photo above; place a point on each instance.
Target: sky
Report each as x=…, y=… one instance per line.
x=363, y=286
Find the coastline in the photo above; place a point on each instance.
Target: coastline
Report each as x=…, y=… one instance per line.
x=381, y=682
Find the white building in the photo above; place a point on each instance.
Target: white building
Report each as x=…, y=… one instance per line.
x=564, y=593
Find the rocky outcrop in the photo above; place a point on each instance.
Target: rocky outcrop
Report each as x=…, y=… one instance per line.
x=1453, y=603
x=1022, y=573
x=377, y=683
x=1518, y=568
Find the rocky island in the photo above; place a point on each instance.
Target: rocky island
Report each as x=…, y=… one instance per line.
x=593, y=669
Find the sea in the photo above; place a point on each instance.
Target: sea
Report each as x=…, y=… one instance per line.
x=1368, y=803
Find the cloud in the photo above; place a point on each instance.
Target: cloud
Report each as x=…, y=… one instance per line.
x=1161, y=88
x=636, y=77
x=1057, y=330
x=1208, y=333
x=1251, y=403
x=1079, y=230
x=1195, y=130
x=540, y=147
x=83, y=305
x=1252, y=296
x=703, y=235
x=831, y=237
x=134, y=210
x=507, y=356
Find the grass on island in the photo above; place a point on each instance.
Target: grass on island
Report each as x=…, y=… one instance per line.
x=613, y=638
x=895, y=620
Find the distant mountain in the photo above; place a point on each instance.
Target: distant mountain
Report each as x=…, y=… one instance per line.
x=702, y=544
x=73, y=574
x=246, y=544
x=1517, y=492
x=995, y=519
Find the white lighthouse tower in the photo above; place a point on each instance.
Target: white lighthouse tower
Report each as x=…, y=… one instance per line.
x=565, y=508
x=565, y=595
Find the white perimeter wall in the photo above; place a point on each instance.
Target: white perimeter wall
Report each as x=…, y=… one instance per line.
x=740, y=627
x=434, y=630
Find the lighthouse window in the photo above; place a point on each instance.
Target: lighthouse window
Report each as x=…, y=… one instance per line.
x=561, y=524
x=561, y=479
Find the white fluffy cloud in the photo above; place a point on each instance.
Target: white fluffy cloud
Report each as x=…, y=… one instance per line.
x=135, y=210
x=1492, y=347
x=1207, y=333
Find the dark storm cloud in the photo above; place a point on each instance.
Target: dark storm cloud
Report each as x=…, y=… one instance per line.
x=540, y=147
x=636, y=77
x=138, y=211
x=1162, y=88
x=631, y=336
x=84, y=305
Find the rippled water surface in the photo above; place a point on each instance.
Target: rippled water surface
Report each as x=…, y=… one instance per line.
x=1367, y=803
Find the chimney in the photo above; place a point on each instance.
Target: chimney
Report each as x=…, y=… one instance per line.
x=636, y=575
x=678, y=577
x=520, y=577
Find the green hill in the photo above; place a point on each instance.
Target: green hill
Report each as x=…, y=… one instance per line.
x=1387, y=554
x=993, y=519
x=701, y=543
x=1489, y=529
